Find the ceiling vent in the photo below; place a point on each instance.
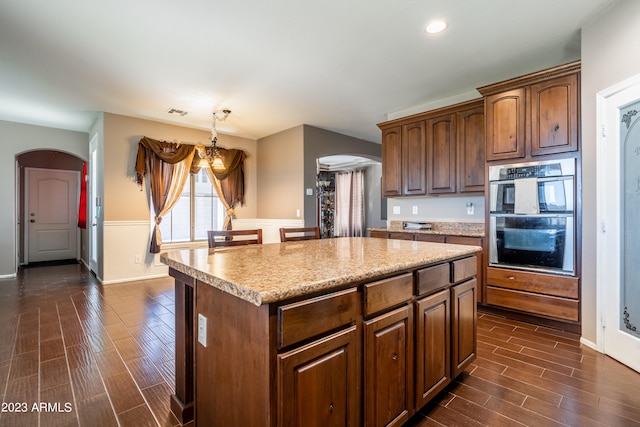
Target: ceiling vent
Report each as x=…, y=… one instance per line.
x=182, y=113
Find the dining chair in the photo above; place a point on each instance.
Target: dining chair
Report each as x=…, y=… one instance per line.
x=299, y=233
x=222, y=238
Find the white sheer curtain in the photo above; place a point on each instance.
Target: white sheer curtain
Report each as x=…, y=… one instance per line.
x=349, y=215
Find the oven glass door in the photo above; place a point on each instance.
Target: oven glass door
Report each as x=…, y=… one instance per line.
x=533, y=242
x=554, y=195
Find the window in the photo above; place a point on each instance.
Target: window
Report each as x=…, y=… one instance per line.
x=198, y=210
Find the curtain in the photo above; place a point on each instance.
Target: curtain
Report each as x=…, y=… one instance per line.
x=82, y=207
x=169, y=164
x=229, y=184
x=349, y=215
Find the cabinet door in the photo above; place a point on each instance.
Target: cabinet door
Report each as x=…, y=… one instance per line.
x=481, y=272
x=414, y=159
x=471, y=147
x=388, y=368
x=392, y=162
x=433, y=332
x=463, y=325
x=317, y=383
x=505, y=125
x=554, y=116
x=441, y=154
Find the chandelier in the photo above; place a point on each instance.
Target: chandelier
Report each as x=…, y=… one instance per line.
x=209, y=154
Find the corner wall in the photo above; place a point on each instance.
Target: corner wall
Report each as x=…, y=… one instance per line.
x=16, y=138
x=609, y=55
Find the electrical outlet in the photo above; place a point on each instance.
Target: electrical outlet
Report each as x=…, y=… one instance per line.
x=470, y=209
x=138, y=259
x=202, y=330
x=396, y=210
x=414, y=210
x=297, y=213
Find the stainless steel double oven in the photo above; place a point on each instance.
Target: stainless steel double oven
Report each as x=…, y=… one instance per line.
x=532, y=216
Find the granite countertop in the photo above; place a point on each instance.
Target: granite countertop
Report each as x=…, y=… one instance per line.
x=462, y=229
x=264, y=274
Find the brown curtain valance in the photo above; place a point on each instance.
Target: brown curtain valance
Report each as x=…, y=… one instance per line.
x=160, y=158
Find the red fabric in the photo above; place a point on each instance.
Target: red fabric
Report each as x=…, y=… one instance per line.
x=82, y=210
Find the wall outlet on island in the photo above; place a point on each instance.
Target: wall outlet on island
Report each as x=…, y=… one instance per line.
x=202, y=330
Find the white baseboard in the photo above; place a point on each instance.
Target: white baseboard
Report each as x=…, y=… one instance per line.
x=589, y=344
x=9, y=276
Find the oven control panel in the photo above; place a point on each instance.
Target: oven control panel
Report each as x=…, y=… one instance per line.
x=531, y=171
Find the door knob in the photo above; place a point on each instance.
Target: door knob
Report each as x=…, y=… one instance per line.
x=32, y=220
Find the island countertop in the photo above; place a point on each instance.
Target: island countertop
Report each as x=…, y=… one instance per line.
x=268, y=273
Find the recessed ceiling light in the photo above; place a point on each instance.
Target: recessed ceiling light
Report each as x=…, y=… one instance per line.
x=435, y=27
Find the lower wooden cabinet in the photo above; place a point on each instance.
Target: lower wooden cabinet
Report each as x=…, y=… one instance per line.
x=318, y=383
x=388, y=368
x=433, y=349
x=463, y=325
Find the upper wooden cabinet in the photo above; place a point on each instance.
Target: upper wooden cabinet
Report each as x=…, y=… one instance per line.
x=404, y=160
x=533, y=115
x=437, y=152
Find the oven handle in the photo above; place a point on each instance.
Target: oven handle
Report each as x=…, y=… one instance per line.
x=540, y=179
x=542, y=215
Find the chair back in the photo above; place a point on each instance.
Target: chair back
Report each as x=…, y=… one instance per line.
x=222, y=238
x=299, y=233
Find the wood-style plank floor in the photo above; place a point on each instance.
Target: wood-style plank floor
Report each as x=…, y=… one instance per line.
x=92, y=355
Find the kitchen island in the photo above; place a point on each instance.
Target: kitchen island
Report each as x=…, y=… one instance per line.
x=345, y=331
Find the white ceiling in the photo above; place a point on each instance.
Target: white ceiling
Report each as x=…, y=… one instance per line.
x=342, y=65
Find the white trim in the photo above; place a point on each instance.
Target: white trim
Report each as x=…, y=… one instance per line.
x=134, y=279
x=8, y=276
x=126, y=223
x=589, y=344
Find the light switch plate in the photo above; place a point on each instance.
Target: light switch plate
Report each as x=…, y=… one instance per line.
x=202, y=330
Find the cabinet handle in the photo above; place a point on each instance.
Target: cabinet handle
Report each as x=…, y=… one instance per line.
x=512, y=278
x=331, y=408
x=395, y=356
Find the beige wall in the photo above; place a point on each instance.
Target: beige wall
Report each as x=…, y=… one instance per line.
x=17, y=138
x=609, y=55
x=123, y=200
x=280, y=175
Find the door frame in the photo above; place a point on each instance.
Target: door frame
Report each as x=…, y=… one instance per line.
x=608, y=211
x=25, y=245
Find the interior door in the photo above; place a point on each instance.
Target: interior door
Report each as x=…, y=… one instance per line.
x=94, y=208
x=619, y=214
x=51, y=214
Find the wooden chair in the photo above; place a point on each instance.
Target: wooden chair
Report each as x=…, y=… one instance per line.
x=255, y=237
x=300, y=233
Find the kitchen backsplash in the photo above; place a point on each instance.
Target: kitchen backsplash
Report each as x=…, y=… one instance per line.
x=436, y=209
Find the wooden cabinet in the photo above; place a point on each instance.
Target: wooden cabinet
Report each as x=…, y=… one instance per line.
x=433, y=349
x=471, y=150
x=388, y=368
x=463, y=325
x=404, y=160
x=436, y=152
x=533, y=115
x=481, y=273
x=441, y=154
x=547, y=295
x=318, y=383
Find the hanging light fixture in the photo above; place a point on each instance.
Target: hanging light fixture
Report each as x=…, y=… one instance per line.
x=210, y=155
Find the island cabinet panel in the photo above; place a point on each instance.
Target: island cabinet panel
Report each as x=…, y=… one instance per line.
x=388, y=368
x=433, y=357
x=387, y=293
x=236, y=355
x=318, y=383
x=463, y=330
x=441, y=154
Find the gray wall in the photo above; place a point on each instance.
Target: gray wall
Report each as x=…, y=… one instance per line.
x=609, y=55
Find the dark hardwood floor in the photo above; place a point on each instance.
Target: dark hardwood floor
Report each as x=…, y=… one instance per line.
x=93, y=355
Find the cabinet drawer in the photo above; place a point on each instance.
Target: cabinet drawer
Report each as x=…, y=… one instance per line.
x=432, y=278
x=550, y=284
x=434, y=238
x=379, y=234
x=464, y=269
x=309, y=318
x=544, y=305
x=387, y=293
x=401, y=236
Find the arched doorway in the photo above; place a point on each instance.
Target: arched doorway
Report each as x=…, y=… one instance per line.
x=48, y=188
